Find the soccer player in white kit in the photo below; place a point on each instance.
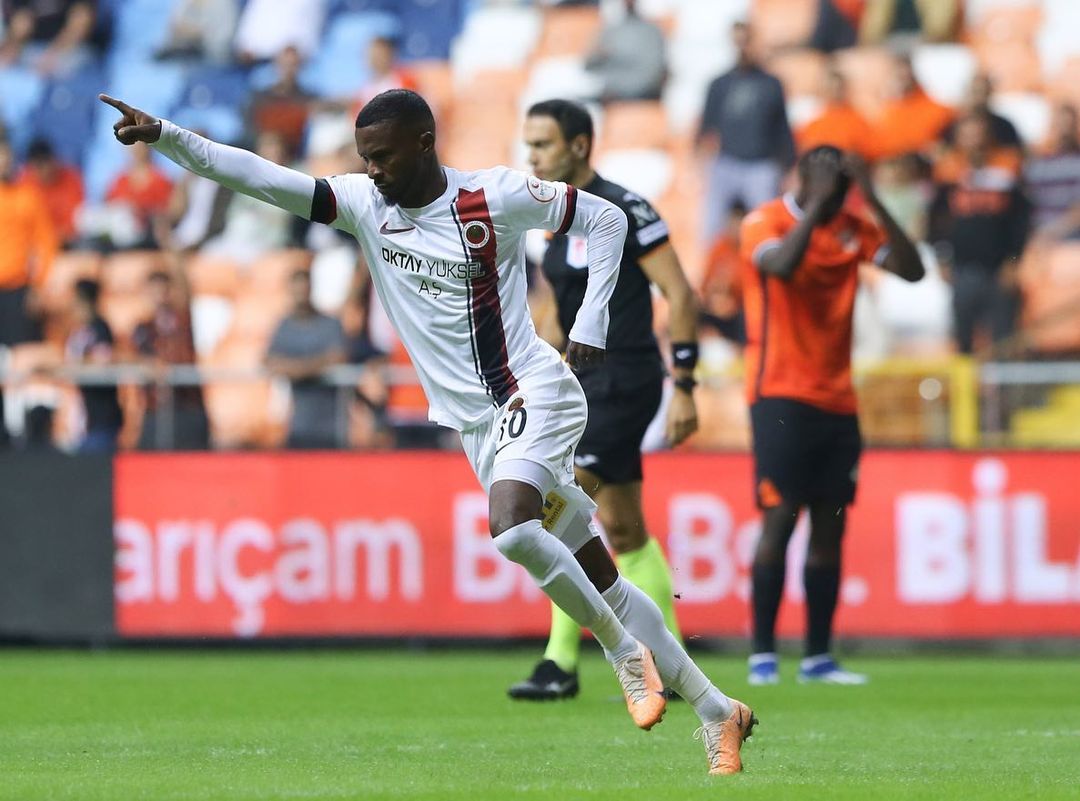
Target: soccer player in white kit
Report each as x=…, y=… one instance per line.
x=446, y=253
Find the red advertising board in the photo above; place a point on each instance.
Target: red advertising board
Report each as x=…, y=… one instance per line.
x=941, y=544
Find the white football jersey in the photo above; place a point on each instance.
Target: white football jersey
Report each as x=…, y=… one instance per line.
x=451, y=277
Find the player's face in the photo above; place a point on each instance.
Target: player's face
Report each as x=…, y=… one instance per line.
x=391, y=156
x=550, y=155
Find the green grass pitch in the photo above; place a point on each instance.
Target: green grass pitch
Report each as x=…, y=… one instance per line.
x=363, y=724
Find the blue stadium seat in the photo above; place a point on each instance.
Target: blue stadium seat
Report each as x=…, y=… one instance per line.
x=140, y=27
x=68, y=106
x=339, y=68
x=21, y=91
x=209, y=86
x=358, y=6
x=220, y=123
x=105, y=158
x=429, y=28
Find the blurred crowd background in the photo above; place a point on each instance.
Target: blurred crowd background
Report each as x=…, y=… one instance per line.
x=143, y=307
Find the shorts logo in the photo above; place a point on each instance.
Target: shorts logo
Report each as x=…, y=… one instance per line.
x=477, y=234
x=541, y=190
x=586, y=459
x=554, y=506
x=768, y=495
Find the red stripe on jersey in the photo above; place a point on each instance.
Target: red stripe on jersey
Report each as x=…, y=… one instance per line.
x=571, y=209
x=485, y=308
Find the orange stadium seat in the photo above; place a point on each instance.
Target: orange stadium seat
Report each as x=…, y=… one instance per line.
x=256, y=315
x=1051, y=282
x=270, y=274
x=782, y=23
x=802, y=71
x=435, y=81
x=569, y=31
x=67, y=268
x=641, y=124
x=123, y=312
x=1013, y=64
x=212, y=275
x=1065, y=85
x=29, y=357
x=1009, y=23
x=494, y=87
x=127, y=271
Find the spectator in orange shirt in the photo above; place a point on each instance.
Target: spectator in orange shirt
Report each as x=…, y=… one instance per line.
x=60, y=184
x=27, y=247
x=912, y=121
x=386, y=72
x=801, y=258
x=721, y=288
x=145, y=190
x=839, y=124
x=285, y=105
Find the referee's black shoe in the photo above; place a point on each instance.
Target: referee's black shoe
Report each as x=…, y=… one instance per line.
x=548, y=682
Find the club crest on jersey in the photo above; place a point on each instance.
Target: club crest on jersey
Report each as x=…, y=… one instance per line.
x=542, y=191
x=477, y=234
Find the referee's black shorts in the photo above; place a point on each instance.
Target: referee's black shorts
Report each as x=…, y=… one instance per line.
x=624, y=395
x=803, y=454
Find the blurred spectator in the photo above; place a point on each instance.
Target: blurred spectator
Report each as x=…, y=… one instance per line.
x=1053, y=179
x=91, y=343
x=721, y=288
x=267, y=27
x=839, y=123
x=253, y=227
x=175, y=416
x=745, y=128
x=837, y=25
x=285, y=105
x=386, y=72
x=905, y=188
x=980, y=91
x=60, y=184
x=144, y=190
x=979, y=223
x=911, y=120
x=304, y=345
x=52, y=36
x=27, y=247
x=910, y=20
x=628, y=58
x=196, y=212
x=202, y=29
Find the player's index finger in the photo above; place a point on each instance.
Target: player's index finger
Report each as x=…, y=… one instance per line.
x=119, y=105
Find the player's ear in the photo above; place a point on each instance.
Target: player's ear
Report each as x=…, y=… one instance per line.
x=427, y=142
x=580, y=146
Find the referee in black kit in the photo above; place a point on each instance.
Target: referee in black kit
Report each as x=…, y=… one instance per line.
x=624, y=393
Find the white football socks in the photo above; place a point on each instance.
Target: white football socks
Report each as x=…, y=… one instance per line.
x=559, y=575
x=643, y=619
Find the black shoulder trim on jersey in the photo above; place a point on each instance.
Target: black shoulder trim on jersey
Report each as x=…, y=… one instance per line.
x=571, y=210
x=323, y=203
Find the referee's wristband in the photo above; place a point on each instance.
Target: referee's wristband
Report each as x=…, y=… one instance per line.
x=684, y=355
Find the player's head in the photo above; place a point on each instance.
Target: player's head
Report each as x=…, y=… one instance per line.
x=980, y=90
x=822, y=169
x=559, y=136
x=395, y=137
x=87, y=292
x=300, y=290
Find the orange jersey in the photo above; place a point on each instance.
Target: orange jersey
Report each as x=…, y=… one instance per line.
x=799, y=330
x=840, y=126
x=910, y=124
x=27, y=239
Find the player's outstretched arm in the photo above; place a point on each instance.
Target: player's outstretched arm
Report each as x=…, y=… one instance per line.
x=232, y=167
x=903, y=257
x=604, y=227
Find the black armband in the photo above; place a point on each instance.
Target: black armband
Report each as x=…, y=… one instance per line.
x=684, y=355
x=323, y=203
